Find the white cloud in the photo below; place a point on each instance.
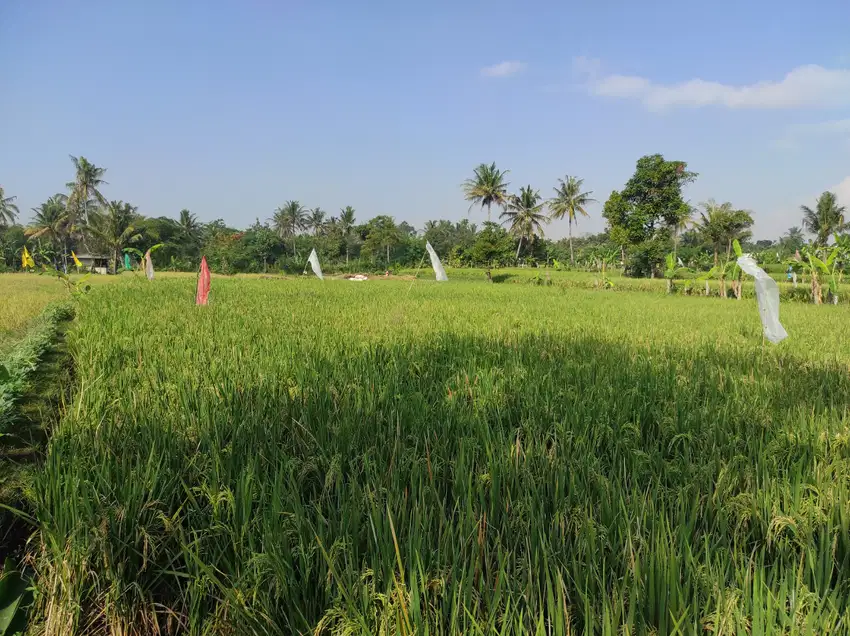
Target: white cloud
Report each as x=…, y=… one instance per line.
x=842, y=191
x=822, y=128
x=836, y=129
x=503, y=69
x=812, y=86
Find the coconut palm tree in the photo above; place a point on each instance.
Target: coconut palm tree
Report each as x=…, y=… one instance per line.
x=346, y=226
x=487, y=187
x=8, y=209
x=115, y=227
x=826, y=219
x=569, y=201
x=682, y=224
x=52, y=221
x=524, y=215
x=793, y=239
x=188, y=229
x=288, y=220
x=714, y=219
x=85, y=186
x=317, y=220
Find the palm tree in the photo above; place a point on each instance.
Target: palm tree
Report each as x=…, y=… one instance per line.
x=8, y=209
x=826, y=219
x=683, y=223
x=714, y=221
x=52, y=220
x=346, y=225
x=288, y=220
x=569, y=201
x=487, y=187
x=188, y=228
x=793, y=239
x=524, y=213
x=114, y=228
x=85, y=186
x=317, y=220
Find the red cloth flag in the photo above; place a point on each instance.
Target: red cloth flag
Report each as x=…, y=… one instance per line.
x=203, y=293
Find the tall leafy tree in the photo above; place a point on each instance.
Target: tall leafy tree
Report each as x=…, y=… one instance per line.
x=288, y=220
x=114, y=227
x=721, y=224
x=382, y=232
x=826, y=219
x=85, y=187
x=650, y=202
x=317, y=220
x=8, y=210
x=52, y=221
x=524, y=215
x=487, y=187
x=569, y=201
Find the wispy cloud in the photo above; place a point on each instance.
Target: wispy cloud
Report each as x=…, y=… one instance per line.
x=835, y=129
x=804, y=86
x=503, y=69
x=842, y=191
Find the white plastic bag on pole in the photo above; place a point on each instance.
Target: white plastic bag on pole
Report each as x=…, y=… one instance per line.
x=314, y=263
x=435, y=263
x=767, y=295
x=148, y=265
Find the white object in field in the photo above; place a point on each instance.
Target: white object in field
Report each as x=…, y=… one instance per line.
x=314, y=263
x=148, y=265
x=359, y=277
x=767, y=295
x=435, y=263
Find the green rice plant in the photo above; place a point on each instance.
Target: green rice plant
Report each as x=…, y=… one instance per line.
x=381, y=458
x=18, y=364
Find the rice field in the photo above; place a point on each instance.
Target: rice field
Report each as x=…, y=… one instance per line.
x=397, y=458
x=24, y=296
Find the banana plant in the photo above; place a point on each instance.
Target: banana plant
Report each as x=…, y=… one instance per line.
x=76, y=288
x=712, y=273
x=673, y=270
x=606, y=256
x=816, y=268
x=140, y=256
x=736, y=275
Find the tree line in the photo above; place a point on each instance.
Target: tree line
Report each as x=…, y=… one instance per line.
x=645, y=221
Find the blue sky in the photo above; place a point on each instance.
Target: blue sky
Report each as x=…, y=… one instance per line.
x=231, y=108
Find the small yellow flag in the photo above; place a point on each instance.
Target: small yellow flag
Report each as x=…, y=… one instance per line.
x=26, y=259
x=77, y=262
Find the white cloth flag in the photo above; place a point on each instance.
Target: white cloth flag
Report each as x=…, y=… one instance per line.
x=314, y=263
x=767, y=295
x=148, y=265
x=435, y=262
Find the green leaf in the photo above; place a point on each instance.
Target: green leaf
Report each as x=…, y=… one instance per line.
x=737, y=247
x=12, y=592
x=818, y=263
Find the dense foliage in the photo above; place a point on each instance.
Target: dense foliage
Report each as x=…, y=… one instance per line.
x=646, y=220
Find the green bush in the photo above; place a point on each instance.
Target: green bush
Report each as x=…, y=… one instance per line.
x=22, y=360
